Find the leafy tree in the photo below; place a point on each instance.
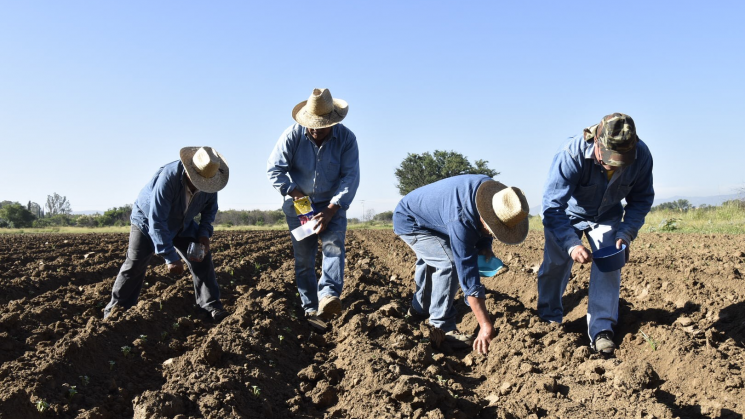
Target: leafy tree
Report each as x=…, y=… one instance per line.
x=57, y=204
x=115, y=216
x=417, y=170
x=35, y=209
x=681, y=205
x=16, y=216
x=386, y=216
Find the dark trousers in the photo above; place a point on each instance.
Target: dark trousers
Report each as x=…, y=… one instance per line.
x=131, y=276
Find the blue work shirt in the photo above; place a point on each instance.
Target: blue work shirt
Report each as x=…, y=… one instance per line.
x=578, y=193
x=160, y=210
x=329, y=173
x=448, y=208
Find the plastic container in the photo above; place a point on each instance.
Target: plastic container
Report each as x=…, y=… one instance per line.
x=609, y=259
x=195, y=252
x=489, y=268
x=304, y=230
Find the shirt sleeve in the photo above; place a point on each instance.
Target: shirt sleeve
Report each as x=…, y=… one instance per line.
x=349, y=173
x=208, y=217
x=638, y=203
x=278, y=164
x=563, y=178
x=465, y=256
x=161, y=200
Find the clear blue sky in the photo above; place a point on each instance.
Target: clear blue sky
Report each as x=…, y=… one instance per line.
x=95, y=96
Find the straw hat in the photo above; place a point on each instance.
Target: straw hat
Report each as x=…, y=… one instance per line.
x=206, y=168
x=505, y=211
x=320, y=110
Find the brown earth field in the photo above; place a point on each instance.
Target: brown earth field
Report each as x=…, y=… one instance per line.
x=680, y=337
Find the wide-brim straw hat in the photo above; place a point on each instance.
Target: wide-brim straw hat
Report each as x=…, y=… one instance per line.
x=206, y=168
x=320, y=110
x=505, y=211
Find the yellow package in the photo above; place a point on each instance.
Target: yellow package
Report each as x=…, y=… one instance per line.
x=303, y=206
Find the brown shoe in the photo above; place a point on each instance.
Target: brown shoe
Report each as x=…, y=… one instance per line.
x=329, y=307
x=315, y=322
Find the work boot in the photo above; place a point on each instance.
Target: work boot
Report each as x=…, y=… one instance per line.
x=458, y=340
x=315, y=322
x=604, y=343
x=329, y=307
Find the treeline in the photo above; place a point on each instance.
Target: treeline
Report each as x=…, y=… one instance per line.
x=683, y=205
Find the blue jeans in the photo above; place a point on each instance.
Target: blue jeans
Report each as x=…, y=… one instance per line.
x=131, y=276
x=605, y=287
x=332, y=267
x=436, y=278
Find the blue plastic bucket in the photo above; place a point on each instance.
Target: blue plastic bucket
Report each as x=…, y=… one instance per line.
x=609, y=259
x=490, y=268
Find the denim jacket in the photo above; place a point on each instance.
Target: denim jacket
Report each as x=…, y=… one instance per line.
x=578, y=193
x=448, y=208
x=159, y=211
x=330, y=173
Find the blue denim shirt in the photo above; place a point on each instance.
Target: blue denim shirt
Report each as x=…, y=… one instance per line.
x=578, y=193
x=159, y=210
x=448, y=208
x=330, y=173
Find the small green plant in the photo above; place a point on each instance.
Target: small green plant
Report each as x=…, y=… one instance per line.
x=41, y=405
x=255, y=390
x=669, y=224
x=163, y=335
x=126, y=350
x=143, y=338
x=72, y=391
x=85, y=380
x=287, y=329
x=175, y=326
x=111, y=365
x=652, y=343
x=272, y=363
x=440, y=379
x=161, y=305
x=281, y=338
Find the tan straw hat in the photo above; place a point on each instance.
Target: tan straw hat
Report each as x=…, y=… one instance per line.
x=206, y=168
x=320, y=110
x=505, y=211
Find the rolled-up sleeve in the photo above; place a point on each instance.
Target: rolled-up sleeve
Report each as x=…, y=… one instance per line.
x=563, y=178
x=278, y=164
x=465, y=255
x=161, y=199
x=349, y=174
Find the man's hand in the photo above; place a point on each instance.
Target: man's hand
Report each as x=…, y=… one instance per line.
x=324, y=217
x=483, y=340
x=580, y=254
x=487, y=252
x=205, y=241
x=176, y=268
x=487, y=333
x=296, y=194
x=619, y=242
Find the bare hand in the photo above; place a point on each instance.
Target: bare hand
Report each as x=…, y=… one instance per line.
x=176, y=268
x=483, y=340
x=205, y=241
x=487, y=253
x=620, y=242
x=324, y=217
x=296, y=194
x=580, y=254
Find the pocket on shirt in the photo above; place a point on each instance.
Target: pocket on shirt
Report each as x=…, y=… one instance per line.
x=332, y=170
x=624, y=190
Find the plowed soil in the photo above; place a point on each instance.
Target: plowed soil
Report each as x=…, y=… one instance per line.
x=680, y=337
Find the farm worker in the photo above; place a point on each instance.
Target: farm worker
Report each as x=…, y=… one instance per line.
x=163, y=223
x=318, y=157
x=448, y=224
x=589, y=177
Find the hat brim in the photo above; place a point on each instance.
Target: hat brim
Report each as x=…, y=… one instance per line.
x=508, y=235
x=209, y=185
x=310, y=120
x=615, y=158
